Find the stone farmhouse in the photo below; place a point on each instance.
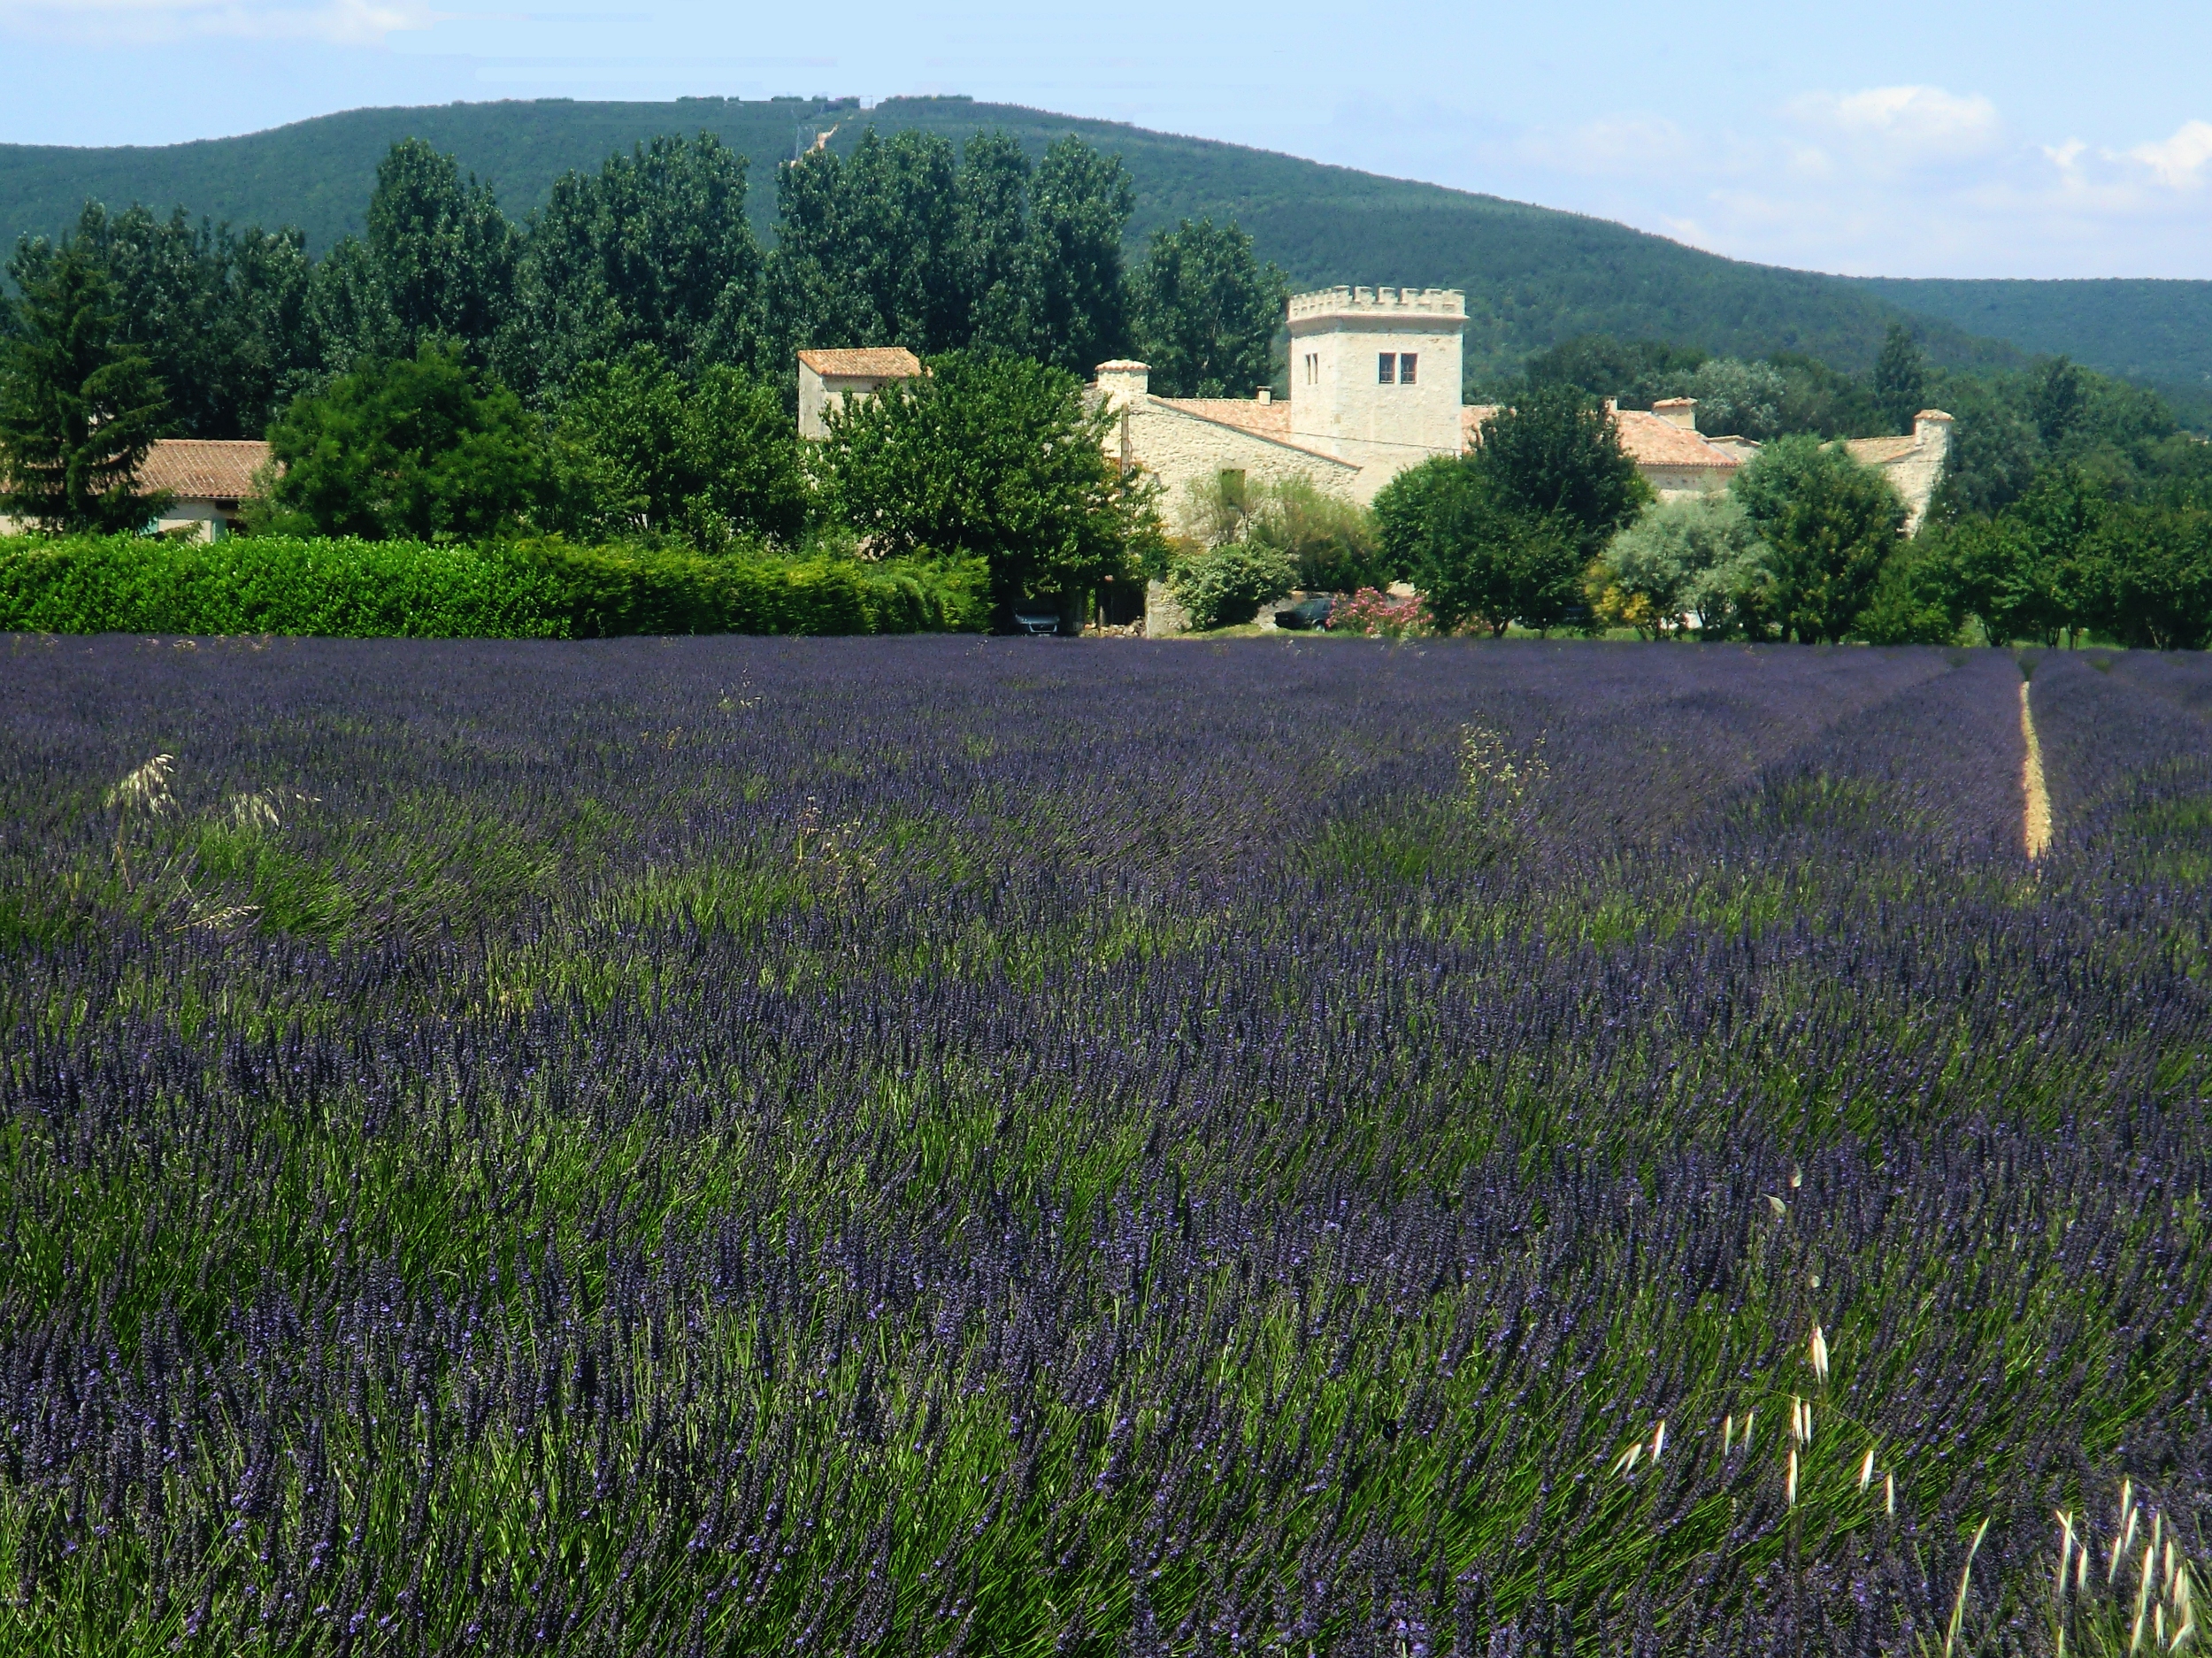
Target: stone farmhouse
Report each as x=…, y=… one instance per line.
x=1374, y=389
x=205, y=478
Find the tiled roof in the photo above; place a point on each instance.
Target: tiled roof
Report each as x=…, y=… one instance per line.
x=1269, y=420
x=1273, y=419
x=1651, y=440
x=202, y=469
x=1648, y=440
x=873, y=362
x=1879, y=451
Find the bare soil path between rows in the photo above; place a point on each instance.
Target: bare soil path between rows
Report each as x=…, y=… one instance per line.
x=2036, y=817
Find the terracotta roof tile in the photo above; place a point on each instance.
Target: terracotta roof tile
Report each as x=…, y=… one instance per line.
x=1269, y=420
x=1648, y=440
x=202, y=469
x=873, y=362
x=1876, y=451
x=1651, y=440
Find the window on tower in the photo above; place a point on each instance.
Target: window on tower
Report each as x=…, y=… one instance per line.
x=1387, y=369
x=1407, y=361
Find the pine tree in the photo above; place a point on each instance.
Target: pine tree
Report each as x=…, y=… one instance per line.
x=1900, y=377
x=78, y=409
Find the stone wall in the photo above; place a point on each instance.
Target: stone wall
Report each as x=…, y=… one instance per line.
x=1164, y=616
x=1339, y=403
x=1180, y=449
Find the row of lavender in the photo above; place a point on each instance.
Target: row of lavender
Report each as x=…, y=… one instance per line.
x=741, y=1145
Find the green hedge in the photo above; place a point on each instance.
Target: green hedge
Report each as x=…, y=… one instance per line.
x=497, y=590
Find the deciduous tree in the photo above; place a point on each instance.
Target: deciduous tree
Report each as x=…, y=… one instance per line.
x=436, y=263
x=995, y=456
x=1079, y=204
x=1557, y=455
x=423, y=447
x=1829, y=524
x=1900, y=377
x=639, y=450
x=1697, y=556
x=223, y=317
x=653, y=249
x=1477, y=555
x=1203, y=311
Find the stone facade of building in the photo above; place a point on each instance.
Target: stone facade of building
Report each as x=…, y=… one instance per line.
x=827, y=378
x=1353, y=421
x=1375, y=377
x=1914, y=465
x=1182, y=440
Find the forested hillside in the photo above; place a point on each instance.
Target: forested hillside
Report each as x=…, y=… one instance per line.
x=2157, y=332
x=1533, y=276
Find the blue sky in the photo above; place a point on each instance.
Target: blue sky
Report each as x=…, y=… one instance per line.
x=1944, y=138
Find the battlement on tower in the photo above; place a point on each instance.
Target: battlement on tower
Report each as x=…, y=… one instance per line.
x=1407, y=302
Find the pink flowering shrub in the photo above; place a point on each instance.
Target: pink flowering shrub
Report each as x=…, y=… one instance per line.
x=1382, y=615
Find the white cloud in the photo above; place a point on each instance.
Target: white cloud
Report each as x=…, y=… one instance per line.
x=2178, y=161
x=1909, y=126
x=340, y=22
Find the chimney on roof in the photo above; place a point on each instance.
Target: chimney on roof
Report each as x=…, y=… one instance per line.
x=1681, y=411
x=1612, y=405
x=1124, y=383
x=1267, y=394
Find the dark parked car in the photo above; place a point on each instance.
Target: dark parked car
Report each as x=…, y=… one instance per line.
x=1031, y=621
x=1309, y=613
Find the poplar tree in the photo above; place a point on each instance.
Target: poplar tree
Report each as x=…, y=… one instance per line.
x=653, y=249
x=436, y=263
x=1204, y=310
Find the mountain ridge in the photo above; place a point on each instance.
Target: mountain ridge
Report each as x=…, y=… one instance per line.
x=1534, y=275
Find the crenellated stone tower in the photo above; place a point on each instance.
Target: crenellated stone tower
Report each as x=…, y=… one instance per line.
x=1375, y=375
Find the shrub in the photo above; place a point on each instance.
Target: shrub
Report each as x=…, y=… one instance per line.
x=408, y=448
x=496, y=590
x=1382, y=615
x=1696, y=556
x=1225, y=586
x=1331, y=541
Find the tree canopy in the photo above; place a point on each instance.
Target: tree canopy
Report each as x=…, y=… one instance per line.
x=991, y=454
x=653, y=249
x=1203, y=311
x=422, y=447
x=905, y=244
x=1829, y=524
x=638, y=450
x=78, y=405
x=1556, y=453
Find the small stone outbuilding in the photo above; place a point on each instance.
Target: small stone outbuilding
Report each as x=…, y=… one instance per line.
x=831, y=376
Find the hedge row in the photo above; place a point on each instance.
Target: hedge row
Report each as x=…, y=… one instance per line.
x=545, y=589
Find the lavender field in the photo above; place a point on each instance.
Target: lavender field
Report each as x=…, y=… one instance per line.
x=949, y=1145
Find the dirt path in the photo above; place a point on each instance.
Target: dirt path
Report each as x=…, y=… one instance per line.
x=2036, y=819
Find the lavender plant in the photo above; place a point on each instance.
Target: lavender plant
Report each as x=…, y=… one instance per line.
x=945, y=1144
